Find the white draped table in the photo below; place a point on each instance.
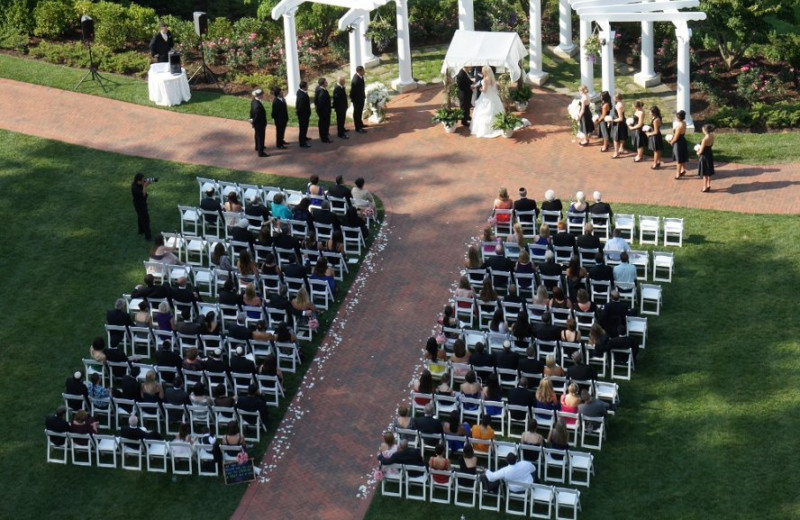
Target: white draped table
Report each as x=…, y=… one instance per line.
x=167, y=89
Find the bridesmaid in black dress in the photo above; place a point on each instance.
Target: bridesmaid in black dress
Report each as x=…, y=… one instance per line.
x=585, y=117
x=638, y=137
x=655, y=141
x=680, y=150
x=619, y=132
x=706, y=154
x=605, y=110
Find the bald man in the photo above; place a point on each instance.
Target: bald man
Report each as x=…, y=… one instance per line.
x=340, y=107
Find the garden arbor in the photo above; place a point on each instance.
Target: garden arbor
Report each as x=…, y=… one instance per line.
x=356, y=20
x=604, y=12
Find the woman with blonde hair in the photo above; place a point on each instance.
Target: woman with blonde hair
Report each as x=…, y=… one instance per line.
x=542, y=240
x=585, y=115
x=151, y=391
x=503, y=201
x=545, y=397
x=473, y=260
x=302, y=307
x=517, y=236
x=387, y=449
x=570, y=401
x=551, y=368
x=250, y=298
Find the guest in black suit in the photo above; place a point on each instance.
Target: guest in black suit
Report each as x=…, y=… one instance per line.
x=614, y=314
x=258, y=118
x=551, y=203
x=322, y=103
x=404, y=455
x=303, y=108
x=161, y=43
x=56, y=423
x=340, y=106
x=562, y=238
x=118, y=317
x=139, y=193
x=599, y=207
x=74, y=386
x=600, y=271
x=280, y=114
x=253, y=402
x=464, y=83
x=341, y=191
x=520, y=396
x=358, y=96
x=523, y=203
x=580, y=370
x=587, y=240
x=428, y=423
x=211, y=203
x=531, y=364
x=546, y=331
x=481, y=358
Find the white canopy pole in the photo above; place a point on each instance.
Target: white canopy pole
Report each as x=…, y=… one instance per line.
x=466, y=15
x=405, y=81
x=537, y=76
x=647, y=76
x=565, y=49
x=292, y=62
x=356, y=41
x=367, y=58
x=607, y=55
x=587, y=67
x=683, y=94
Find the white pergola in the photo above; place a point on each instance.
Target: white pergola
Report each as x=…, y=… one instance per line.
x=356, y=20
x=604, y=12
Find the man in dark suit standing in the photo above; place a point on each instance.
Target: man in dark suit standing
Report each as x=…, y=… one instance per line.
x=258, y=118
x=139, y=193
x=280, y=114
x=303, y=108
x=322, y=102
x=340, y=106
x=358, y=96
x=161, y=43
x=464, y=84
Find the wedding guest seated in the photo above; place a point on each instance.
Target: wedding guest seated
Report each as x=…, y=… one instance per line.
x=315, y=191
x=303, y=310
x=614, y=313
x=523, y=203
x=616, y=245
x=473, y=260
x=269, y=367
x=498, y=324
x=507, y=358
x=428, y=424
x=256, y=212
x=134, y=432
x=239, y=330
x=550, y=268
x=599, y=207
x=530, y=435
x=492, y=391
x=240, y=364
x=162, y=253
x=285, y=240
x=260, y=333
x=570, y=401
x=439, y=462
x=74, y=386
x=503, y=201
x=150, y=290
x=587, y=240
x=192, y=361
x=232, y=205
x=481, y=358
x=324, y=272
x=57, y=423
x=546, y=331
x=164, y=318
x=498, y=261
x=558, y=439
x=591, y=406
x=250, y=298
x=353, y=220
x=210, y=326
x=211, y=203
x=521, y=330
x=520, y=396
x=542, y=240
x=424, y=385
x=143, y=318
x=454, y=426
x=166, y=357
x=246, y=266
x=176, y=394
x=404, y=419
x=98, y=394
x=551, y=368
x=363, y=199
x=324, y=215
x=551, y=203
x=302, y=212
x=83, y=423
x=278, y=209
x=151, y=389
x=583, y=303
x=570, y=332
x=467, y=463
x=404, y=455
x=240, y=233
x=625, y=271
x=483, y=431
x=129, y=387
x=460, y=355
x=221, y=397
x=546, y=396
x=600, y=271
x=186, y=325
x=388, y=448
x=575, y=277
x=563, y=238
x=228, y=294
x=531, y=363
x=97, y=349
x=215, y=362
x=559, y=301
x=580, y=371
x=340, y=190
x=512, y=473
x=220, y=258
x=199, y=395
x=579, y=206
x=118, y=317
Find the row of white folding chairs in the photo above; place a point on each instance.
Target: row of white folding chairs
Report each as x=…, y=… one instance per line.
x=467, y=490
x=245, y=192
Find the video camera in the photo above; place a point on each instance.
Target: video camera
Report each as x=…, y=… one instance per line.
x=151, y=179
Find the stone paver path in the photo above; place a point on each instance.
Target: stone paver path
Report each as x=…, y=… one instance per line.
x=438, y=190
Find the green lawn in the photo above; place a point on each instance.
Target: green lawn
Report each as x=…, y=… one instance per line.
x=70, y=249
x=707, y=427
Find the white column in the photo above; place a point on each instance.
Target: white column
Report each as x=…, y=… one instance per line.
x=356, y=41
x=647, y=76
x=607, y=56
x=536, y=75
x=683, y=94
x=466, y=15
x=566, y=48
x=405, y=81
x=587, y=67
x=367, y=58
x=292, y=62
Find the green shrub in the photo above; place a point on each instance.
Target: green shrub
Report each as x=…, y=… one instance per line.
x=13, y=38
x=777, y=115
x=340, y=46
x=142, y=22
x=183, y=33
x=83, y=7
x=729, y=117
x=20, y=15
x=111, y=25
x=130, y=62
x=265, y=82
x=219, y=28
x=54, y=18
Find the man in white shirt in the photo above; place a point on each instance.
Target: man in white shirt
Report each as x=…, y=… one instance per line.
x=521, y=471
x=616, y=245
x=624, y=272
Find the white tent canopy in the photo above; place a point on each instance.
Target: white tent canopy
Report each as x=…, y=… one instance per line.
x=478, y=48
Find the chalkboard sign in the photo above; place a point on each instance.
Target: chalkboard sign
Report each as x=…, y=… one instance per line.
x=236, y=473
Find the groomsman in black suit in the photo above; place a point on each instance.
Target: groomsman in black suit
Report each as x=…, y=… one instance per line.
x=464, y=84
x=358, y=96
x=258, y=118
x=280, y=114
x=340, y=106
x=322, y=102
x=303, y=108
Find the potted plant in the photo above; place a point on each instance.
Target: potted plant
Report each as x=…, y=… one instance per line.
x=521, y=96
x=449, y=117
x=507, y=122
x=592, y=47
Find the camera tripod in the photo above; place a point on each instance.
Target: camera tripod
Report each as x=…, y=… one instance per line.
x=93, y=72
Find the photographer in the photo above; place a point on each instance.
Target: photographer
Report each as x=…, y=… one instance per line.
x=139, y=192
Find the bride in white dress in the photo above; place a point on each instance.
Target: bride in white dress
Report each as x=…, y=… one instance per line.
x=486, y=107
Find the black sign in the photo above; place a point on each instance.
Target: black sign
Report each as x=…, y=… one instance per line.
x=236, y=473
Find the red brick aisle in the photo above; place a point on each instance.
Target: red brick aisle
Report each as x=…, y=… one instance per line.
x=438, y=189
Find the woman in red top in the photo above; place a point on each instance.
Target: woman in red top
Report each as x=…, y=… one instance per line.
x=503, y=201
x=439, y=462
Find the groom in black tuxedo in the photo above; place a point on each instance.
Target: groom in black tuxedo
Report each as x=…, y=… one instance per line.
x=464, y=84
x=303, y=108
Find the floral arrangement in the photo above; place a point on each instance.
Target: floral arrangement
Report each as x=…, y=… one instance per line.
x=506, y=121
x=574, y=111
x=591, y=47
x=377, y=96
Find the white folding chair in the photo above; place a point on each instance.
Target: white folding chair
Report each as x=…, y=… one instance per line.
x=517, y=497
x=650, y=299
x=320, y=293
x=555, y=459
x=608, y=392
x=663, y=265
x=621, y=364
x=435, y=486
x=542, y=495
x=649, y=229
x=626, y=224
x=551, y=218
x=392, y=483
x=251, y=425
x=206, y=464
x=181, y=455
x=57, y=443
x=522, y=413
x=416, y=482
x=602, y=226
x=465, y=483
x=81, y=449
x=575, y=222
x=150, y=412
x=569, y=500
x=489, y=501
x=106, y=450
x=637, y=327
x=673, y=232
x=131, y=450
x=641, y=261
x=353, y=240
x=593, y=431
x=190, y=221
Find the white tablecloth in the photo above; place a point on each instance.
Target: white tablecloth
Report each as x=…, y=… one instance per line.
x=167, y=89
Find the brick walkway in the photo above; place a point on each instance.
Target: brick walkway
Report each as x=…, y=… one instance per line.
x=437, y=189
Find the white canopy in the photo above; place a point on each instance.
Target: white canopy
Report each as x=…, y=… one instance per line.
x=478, y=48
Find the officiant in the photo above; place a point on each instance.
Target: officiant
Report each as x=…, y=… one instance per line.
x=465, y=83
x=161, y=43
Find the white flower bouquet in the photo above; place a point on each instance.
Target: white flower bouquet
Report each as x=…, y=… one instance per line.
x=609, y=119
x=646, y=128
x=697, y=148
x=630, y=121
x=668, y=137
x=377, y=96
x=574, y=109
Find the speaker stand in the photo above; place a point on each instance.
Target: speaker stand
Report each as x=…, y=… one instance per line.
x=203, y=73
x=93, y=74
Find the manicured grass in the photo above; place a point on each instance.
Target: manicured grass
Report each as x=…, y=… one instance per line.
x=70, y=249
x=707, y=427
x=132, y=90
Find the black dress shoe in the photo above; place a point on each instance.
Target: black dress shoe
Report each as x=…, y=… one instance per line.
x=263, y=155
x=282, y=147
x=343, y=137
x=362, y=131
x=305, y=145
x=327, y=141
